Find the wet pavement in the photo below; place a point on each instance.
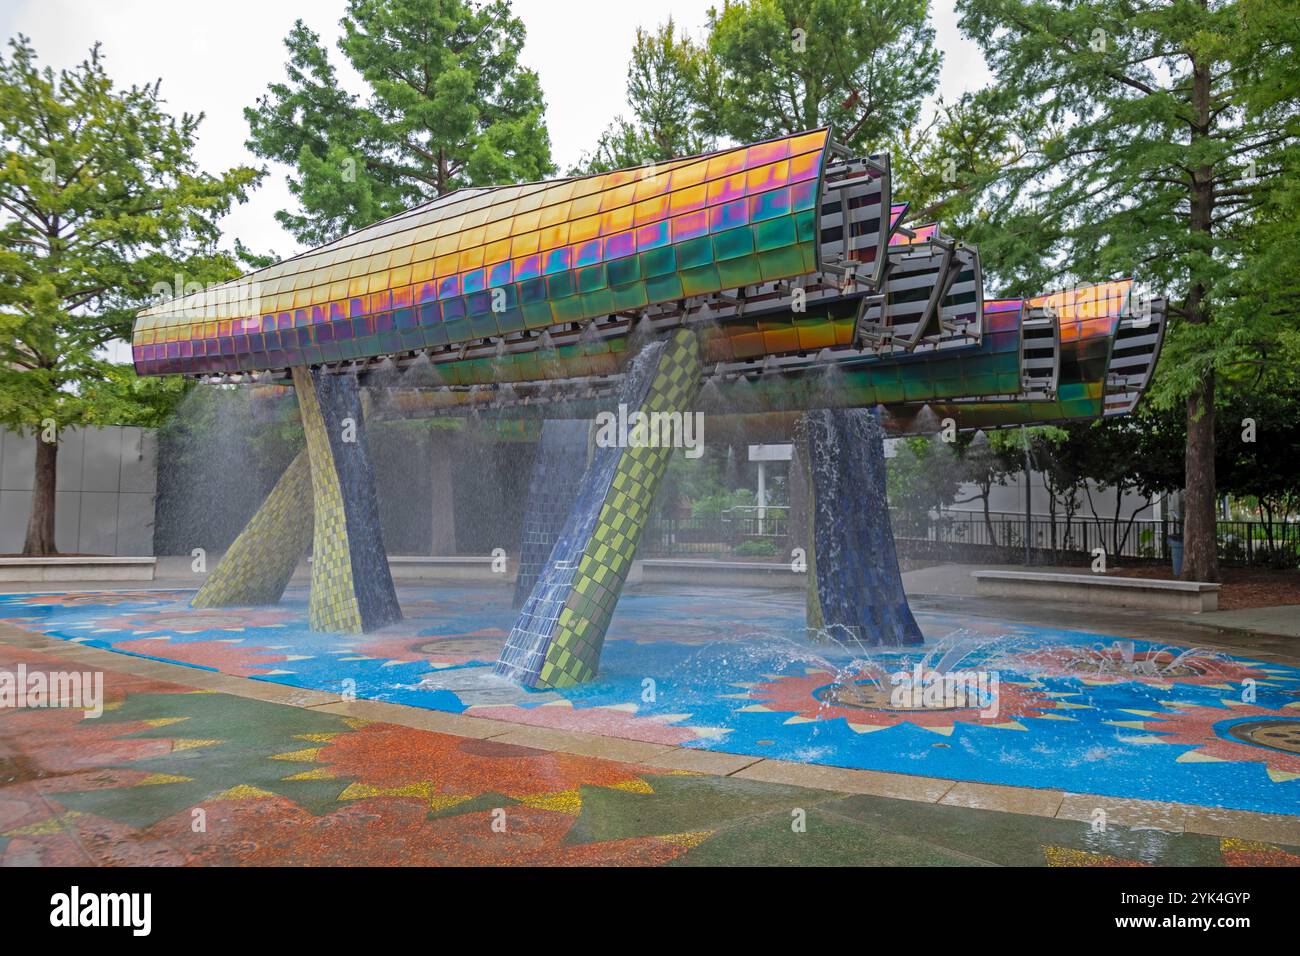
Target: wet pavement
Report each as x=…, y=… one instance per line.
x=174, y=775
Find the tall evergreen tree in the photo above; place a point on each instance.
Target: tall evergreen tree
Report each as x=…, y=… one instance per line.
x=1156, y=142
x=781, y=66
x=942, y=166
x=663, y=90
x=102, y=208
x=448, y=105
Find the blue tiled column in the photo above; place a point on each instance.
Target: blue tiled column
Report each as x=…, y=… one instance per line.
x=855, y=584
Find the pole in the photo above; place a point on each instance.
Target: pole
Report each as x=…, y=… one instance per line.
x=1028, y=490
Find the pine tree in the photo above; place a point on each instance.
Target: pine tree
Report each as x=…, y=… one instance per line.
x=782, y=66
x=663, y=90
x=448, y=105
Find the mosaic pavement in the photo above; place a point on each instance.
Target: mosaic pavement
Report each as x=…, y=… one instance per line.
x=733, y=671
x=173, y=776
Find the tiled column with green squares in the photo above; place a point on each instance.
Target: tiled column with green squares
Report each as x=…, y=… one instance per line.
x=560, y=632
x=257, y=566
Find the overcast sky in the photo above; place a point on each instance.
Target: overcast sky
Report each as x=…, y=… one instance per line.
x=222, y=54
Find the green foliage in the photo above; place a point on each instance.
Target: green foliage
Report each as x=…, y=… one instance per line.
x=781, y=66
x=922, y=477
x=988, y=459
x=755, y=548
x=226, y=443
x=687, y=479
x=943, y=166
x=251, y=261
x=1257, y=435
x=773, y=67
x=101, y=208
x=713, y=504
x=1141, y=453
x=448, y=105
x=663, y=83
x=1153, y=138
x=1135, y=454
x=1159, y=142
x=263, y=421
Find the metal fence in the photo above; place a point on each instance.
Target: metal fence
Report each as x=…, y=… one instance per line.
x=969, y=537
x=1005, y=532
x=736, y=531
x=966, y=534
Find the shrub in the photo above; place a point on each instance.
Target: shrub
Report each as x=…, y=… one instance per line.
x=755, y=548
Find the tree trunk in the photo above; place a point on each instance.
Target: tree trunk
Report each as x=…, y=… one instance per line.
x=40, y=524
x=1200, y=538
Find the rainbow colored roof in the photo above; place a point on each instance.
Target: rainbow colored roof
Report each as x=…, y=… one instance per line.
x=479, y=263
x=788, y=258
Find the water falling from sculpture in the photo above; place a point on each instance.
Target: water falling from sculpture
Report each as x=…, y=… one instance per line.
x=778, y=277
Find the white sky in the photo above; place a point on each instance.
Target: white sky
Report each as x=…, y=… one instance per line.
x=220, y=57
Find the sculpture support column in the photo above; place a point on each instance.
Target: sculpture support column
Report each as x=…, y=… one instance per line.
x=257, y=566
x=855, y=586
x=560, y=632
x=351, y=585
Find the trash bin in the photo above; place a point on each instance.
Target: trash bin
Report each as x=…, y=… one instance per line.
x=1175, y=543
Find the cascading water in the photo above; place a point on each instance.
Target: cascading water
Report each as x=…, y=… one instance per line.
x=526, y=647
x=557, y=472
x=230, y=443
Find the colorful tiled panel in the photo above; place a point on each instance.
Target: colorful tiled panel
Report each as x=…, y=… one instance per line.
x=1101, y=341
x=789, y=252
x=990, y=366
x=846, y=377
x=558, y=637
x=855, y=586
x=488, y=262
x=352, y=587
x=731, y=670
x=258, y=564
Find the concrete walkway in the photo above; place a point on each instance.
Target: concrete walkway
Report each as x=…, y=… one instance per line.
x=1246, y=630
x=1282, y=620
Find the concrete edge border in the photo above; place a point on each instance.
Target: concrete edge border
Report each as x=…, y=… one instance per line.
x=77, y=568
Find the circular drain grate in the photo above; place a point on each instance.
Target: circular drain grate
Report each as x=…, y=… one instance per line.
x=1283, y=735
x=866, y=695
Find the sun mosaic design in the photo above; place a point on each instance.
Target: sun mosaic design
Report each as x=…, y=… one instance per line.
x=735, y=671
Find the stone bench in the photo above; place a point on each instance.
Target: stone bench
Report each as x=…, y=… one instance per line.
x=705, y=573
x=468, y=568
x=77, y=569
x=1187, y=596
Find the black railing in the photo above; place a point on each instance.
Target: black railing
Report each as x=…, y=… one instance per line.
x=1002, y=535
x=969, y=537
x=737, y=531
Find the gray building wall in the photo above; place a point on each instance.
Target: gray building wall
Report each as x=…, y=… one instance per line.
x=1010, y=498
x=105, y=488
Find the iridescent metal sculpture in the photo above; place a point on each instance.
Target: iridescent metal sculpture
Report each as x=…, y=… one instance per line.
x=780, y=275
